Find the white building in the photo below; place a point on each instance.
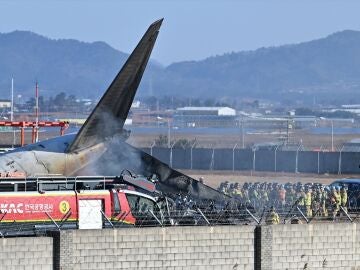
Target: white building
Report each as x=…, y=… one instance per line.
x=4, y=103
x=205, y=117
x=225, y=111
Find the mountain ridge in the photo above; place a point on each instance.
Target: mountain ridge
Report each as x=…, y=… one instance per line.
x=326, y=68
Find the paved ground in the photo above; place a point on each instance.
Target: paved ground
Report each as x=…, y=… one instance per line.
x=310, y=141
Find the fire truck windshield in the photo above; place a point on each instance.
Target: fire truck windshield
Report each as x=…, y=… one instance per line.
x=142, y=207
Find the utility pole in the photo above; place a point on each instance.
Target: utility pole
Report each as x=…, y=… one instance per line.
x=332, y=135
x=36, y=112
x=12, y=100
x=12, y=109
x=169, y=133
x=287, y=131
x=242, y=133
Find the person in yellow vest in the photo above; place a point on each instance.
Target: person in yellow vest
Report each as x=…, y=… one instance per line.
x=237, y=192
x=344, y=197
x=324, y=201
x=336, y=200
x=308, y=200
x=272, y=217
x=301, y=198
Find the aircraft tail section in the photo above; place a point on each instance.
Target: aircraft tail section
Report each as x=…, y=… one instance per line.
x=108, y=117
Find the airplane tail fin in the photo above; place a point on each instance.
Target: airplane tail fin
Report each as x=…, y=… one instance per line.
x=110, y=113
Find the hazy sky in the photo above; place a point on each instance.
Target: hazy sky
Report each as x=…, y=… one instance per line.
x=192, y=30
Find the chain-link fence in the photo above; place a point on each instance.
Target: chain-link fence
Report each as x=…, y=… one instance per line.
x=244, y=215
x=40, y=205
x=285, y=158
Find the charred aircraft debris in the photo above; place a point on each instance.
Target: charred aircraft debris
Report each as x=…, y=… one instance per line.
x=99, y=148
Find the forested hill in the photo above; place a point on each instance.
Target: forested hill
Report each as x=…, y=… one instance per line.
x=71, y=66
x=327, y=68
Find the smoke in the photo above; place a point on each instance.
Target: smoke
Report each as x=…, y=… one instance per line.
x=118, y=155
x=121, y=156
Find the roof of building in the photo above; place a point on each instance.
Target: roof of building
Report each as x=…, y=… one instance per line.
x=220, y=110
x=356, y=140
x=203, y=108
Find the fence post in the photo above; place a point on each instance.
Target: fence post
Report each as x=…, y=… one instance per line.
x=339, y=169
x=254, y=159
x=212, y=160
x=242, y=133
x=275, y=163
x=319, y=160
x=318, y=165
x=151, y=148
x=233, y=157
x=297, y=159
x=191, y=155
x=171, y=154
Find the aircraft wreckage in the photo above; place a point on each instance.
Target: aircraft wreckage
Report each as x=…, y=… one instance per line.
x=100, y=148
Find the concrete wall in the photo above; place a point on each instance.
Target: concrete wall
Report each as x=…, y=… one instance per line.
x=30, y=253
x=222, y=247
x=310, y=246
x=305, y=246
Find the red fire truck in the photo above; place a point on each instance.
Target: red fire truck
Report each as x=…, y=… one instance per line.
x=86, y=202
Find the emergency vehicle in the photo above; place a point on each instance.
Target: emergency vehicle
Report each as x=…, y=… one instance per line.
x=87, y=202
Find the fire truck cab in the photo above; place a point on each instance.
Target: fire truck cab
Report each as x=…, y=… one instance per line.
x=79, y=202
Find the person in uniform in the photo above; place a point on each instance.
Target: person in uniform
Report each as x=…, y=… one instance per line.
x=308, y=200
x=315, y=199
x=282, y=195
x=335, y=201
x=264, y=196
x=344, y=197
x=237, y=192
x=291, y=196
x=323, y=201
x=301, y=198
x=272, y=217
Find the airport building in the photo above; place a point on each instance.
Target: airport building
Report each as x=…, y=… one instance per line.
x=351, y=146
x=5, y=103
x=205, y=117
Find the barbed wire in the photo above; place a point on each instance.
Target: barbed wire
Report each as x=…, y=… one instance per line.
x=191, y=217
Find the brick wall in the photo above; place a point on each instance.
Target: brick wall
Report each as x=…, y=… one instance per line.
x=310, y=246
x=30, y=253
x=223, y=247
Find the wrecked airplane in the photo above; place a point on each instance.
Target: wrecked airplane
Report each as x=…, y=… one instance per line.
x=100, y=148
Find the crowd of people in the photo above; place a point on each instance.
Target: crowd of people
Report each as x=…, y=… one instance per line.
x=313, y=199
